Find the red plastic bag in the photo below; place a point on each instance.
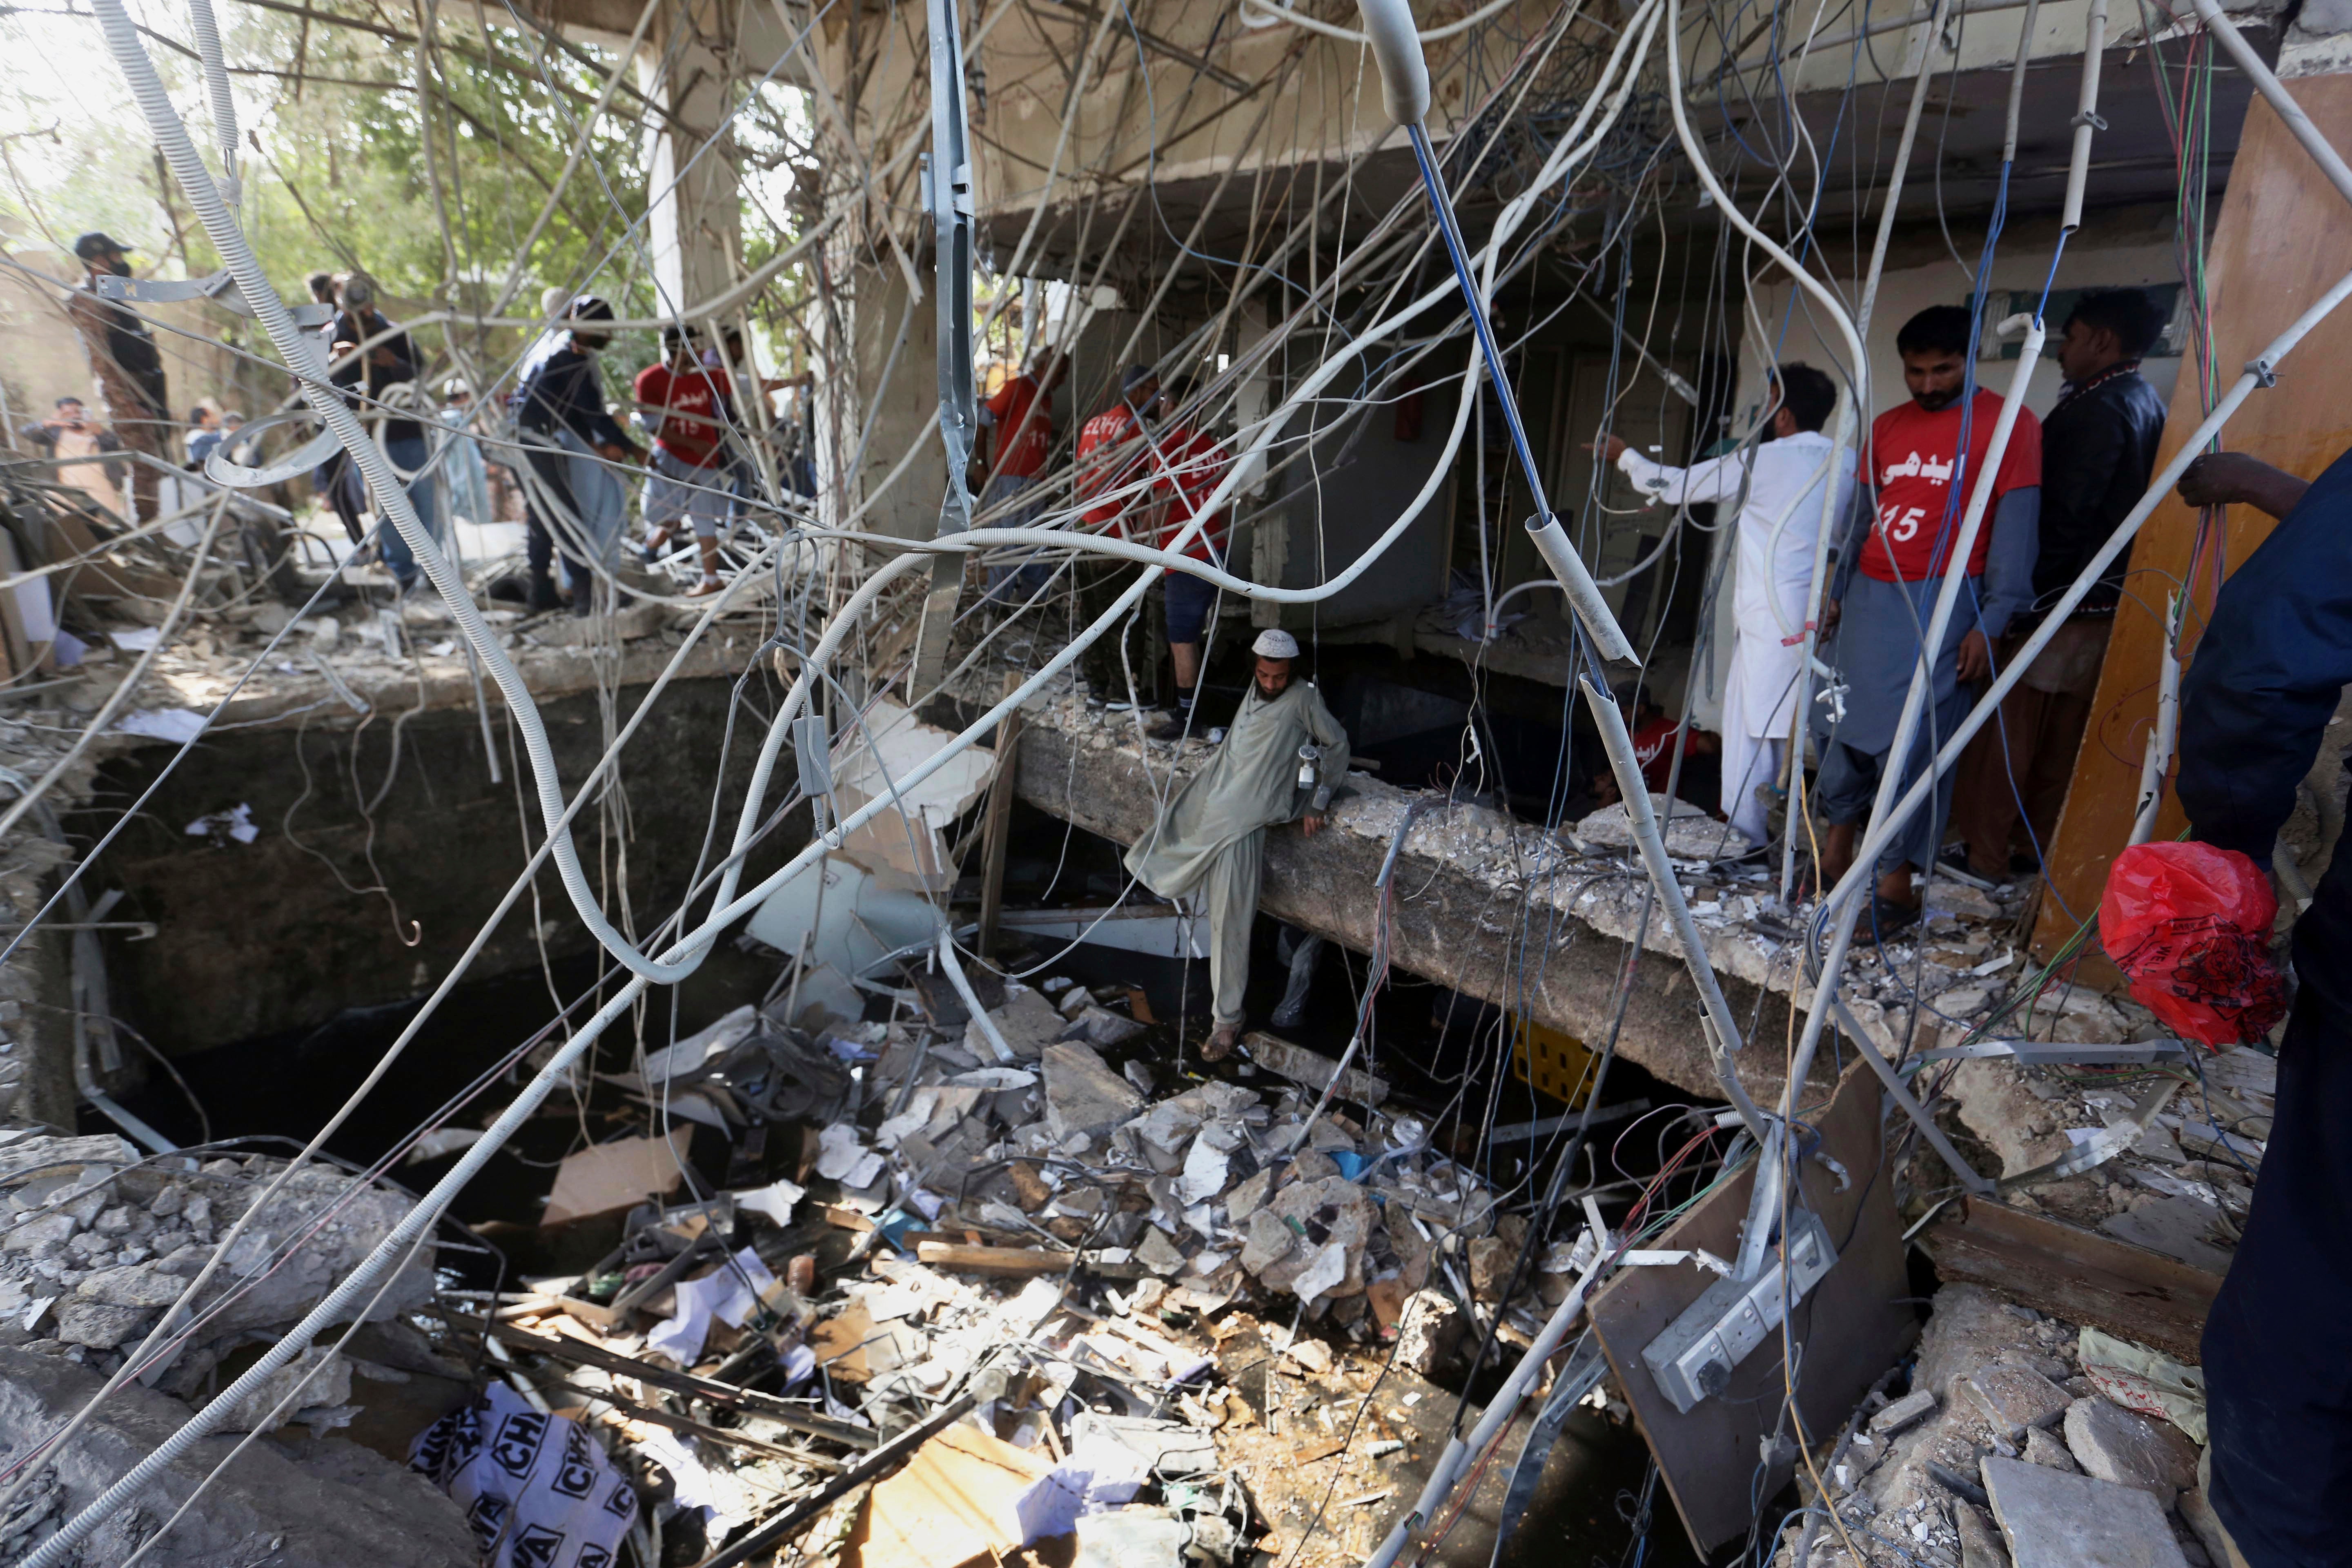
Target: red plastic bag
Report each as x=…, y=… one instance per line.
x=2191, y=925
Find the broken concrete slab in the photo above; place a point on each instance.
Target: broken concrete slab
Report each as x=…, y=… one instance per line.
x=337, y=1505
x=1980, y=1543
x=1429, y=1328
x=1084, y=1098
x=1027, y=1020
x=1903, y=1414
x=2051, y=1520
x=2129, y=1448
x=2043, y=1448
x=1315, y=1071
x=2013, y=1398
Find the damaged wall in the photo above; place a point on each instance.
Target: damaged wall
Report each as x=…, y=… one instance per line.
x=311, y=916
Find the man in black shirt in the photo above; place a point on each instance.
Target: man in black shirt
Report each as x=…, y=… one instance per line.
x=563, y=395
x=2261, y=692
x=125, y=362
x=384, y=363
x=2098, y=449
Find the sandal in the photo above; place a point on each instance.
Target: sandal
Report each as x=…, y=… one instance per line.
x=707, y=585
x=1221, y=1043
x=1883, y=920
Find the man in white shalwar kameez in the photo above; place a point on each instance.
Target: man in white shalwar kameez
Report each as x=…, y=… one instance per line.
x=1209, y=844
x=1779, y=487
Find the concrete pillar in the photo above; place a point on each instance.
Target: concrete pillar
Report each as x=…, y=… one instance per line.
x=694, y=227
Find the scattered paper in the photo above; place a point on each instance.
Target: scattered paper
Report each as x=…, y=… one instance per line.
x=729, y=1293
x=1329, y=1267
x=135, y=639
x=775, y=1200
x=236, y=823
x=1204, y=1171
x=842, y=1156
x=177, y=725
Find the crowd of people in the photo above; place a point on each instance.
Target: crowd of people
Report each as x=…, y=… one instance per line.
x=2061, y=486
x=701, y=408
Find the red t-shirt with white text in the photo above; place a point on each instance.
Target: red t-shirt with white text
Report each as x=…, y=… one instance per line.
x=701, y=395
x=1104, y=430
x=1196, y=466
x=1921, y=499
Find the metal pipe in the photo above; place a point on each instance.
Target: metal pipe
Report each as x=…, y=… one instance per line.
x=1722, y=1030
x=1544, y=528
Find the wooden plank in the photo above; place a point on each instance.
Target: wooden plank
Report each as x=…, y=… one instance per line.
x=2281, y=243
x=994, y=1259
x=1855, y=1325
x=2076, y=1274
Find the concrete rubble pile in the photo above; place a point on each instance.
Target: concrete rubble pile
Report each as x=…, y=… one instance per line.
x=1145, y=1310
x=2021, y=1439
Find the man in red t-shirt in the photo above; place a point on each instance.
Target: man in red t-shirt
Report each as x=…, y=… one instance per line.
x=1114, y=450
x=1019, y=416
x=1918, y=477
x=1191, y=465
x=688, y=477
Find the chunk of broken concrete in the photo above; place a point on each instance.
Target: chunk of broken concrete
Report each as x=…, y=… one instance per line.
x=1268, y=1242
x=1083, y=1097
x=2043, y=1448
x=1690, y=833
x=1101, y=1026
x=1249, y=1195
x=133, y=1285
x=316, y=1377
x=1027, y=1020
x=98, y=1325
x=1429, y=1327
x=2051, y=1520
x=1157, y=1251
x=1903, y=1414
x=2126, y=1447
x=1302, y=1066
x=2014, y=1398
x=1980, y=1544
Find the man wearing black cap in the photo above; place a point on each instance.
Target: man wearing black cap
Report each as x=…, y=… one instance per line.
x=123, y=361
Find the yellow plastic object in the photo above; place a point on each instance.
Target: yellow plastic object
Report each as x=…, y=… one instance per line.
x=1552, y=1063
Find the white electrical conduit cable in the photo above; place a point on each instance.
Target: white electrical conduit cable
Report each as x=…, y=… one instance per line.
x=1459, y=1453
x=962, y=984
x=122, y=39
x=1818, y=586
x=1715, y=1021
x=217, y=92
x=1266, y=14
x=2167, y=727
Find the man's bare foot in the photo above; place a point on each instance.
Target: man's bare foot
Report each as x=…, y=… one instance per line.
x=707, y=585
x=1221, y=1043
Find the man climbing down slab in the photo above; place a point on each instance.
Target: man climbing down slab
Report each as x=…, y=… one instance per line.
x=1280, y=760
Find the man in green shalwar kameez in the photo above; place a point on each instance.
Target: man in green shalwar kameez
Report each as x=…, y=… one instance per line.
x=1209, y=846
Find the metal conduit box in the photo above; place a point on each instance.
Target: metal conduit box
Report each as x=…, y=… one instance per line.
x=1691, y=1361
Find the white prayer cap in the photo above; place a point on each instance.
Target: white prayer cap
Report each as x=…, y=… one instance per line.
x=1274, y=643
